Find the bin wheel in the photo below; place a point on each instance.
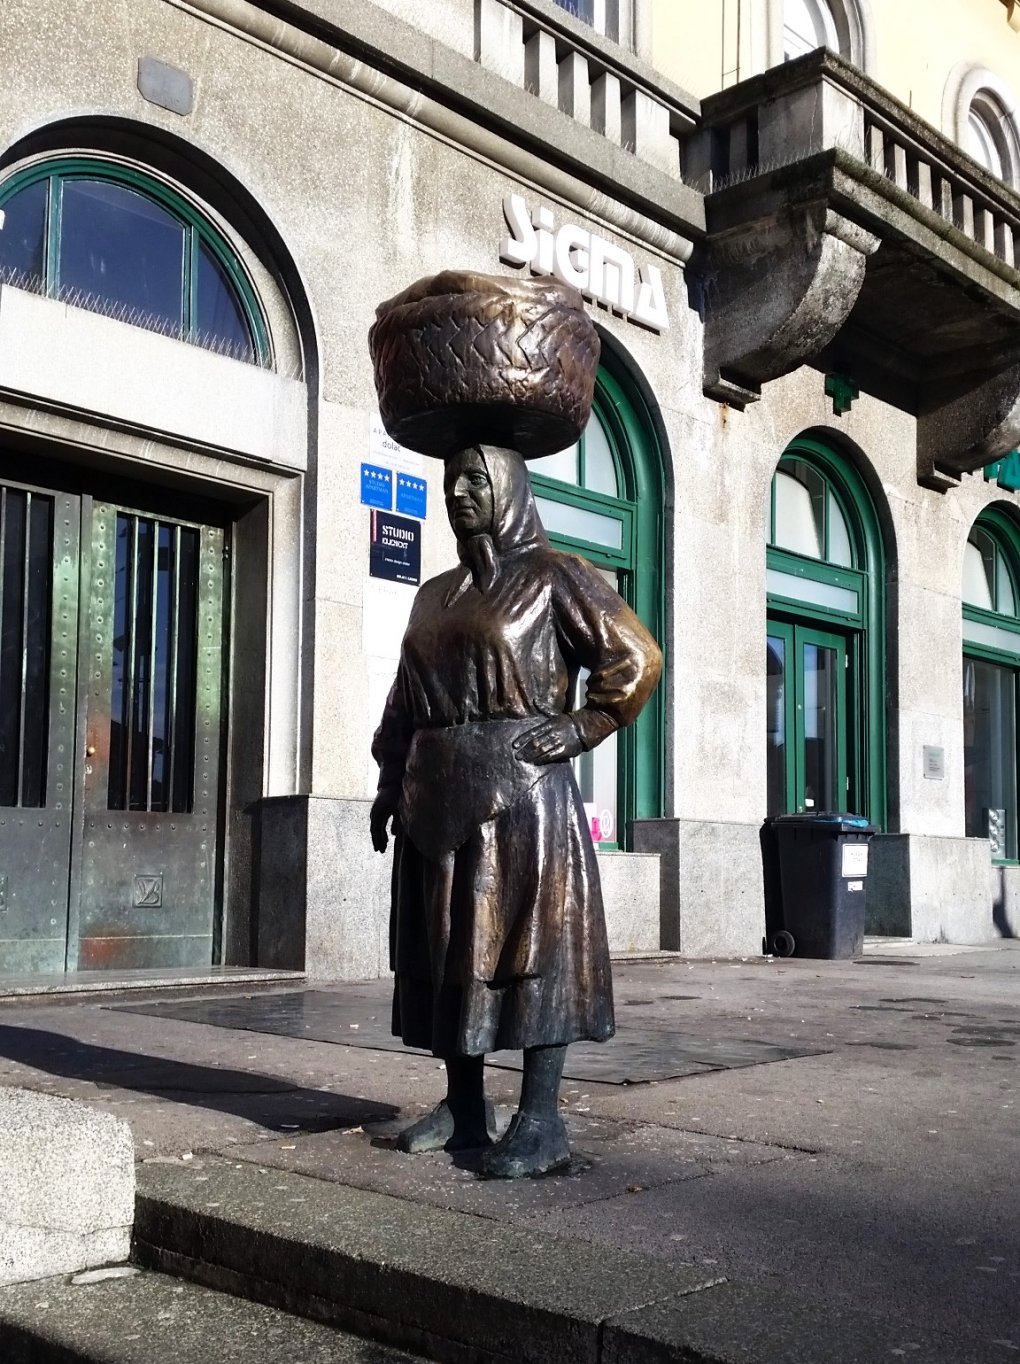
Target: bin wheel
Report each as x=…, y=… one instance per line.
x=783, y=943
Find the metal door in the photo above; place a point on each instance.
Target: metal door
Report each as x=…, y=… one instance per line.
x=39, y=561
x=145, y=870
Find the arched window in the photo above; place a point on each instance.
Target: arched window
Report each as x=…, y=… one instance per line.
x=979, y=112
x=807, y=24
x=824, y=654
x=843, y=26
x=602, y=498
x=991, y=675
x=104, y=236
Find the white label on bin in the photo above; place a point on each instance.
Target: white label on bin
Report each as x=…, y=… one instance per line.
x=855, y=859
x=855, y=885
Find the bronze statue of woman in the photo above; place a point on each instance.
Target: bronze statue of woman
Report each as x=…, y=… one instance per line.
x=498, y=936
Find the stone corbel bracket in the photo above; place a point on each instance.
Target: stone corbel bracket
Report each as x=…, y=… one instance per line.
x=776, y=292
x=965, y=432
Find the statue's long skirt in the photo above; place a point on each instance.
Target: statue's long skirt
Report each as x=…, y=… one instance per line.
x=502, y=944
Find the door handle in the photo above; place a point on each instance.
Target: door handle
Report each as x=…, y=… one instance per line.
x=90, y=751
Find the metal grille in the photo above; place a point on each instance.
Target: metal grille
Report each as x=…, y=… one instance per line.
x=154, y=676
x=26, y=589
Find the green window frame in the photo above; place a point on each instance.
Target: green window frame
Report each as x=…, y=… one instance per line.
x=847, y=600
x=993, y=636
x=199, y=233
x=637, y=561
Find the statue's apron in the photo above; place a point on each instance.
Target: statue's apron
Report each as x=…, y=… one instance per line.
x=458, y=778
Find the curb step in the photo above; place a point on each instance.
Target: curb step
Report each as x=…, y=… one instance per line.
x=454, y=1286
x=464, y=1289
x=145, y=1318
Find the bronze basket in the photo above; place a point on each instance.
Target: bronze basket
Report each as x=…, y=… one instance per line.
x=464, y=359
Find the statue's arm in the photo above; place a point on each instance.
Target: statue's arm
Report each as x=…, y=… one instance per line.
x=389, y=749
x=600, y=632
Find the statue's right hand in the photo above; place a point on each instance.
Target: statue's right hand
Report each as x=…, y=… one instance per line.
x=383, y=811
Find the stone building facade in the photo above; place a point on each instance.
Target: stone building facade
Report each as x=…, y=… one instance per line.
x=800, y=469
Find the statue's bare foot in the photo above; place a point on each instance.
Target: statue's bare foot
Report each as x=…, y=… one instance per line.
x=438, y=1131
x=530, y=1146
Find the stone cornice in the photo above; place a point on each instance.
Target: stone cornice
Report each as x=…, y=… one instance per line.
x=396, y=66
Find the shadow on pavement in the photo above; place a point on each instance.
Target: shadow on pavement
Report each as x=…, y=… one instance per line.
x=272, y=1103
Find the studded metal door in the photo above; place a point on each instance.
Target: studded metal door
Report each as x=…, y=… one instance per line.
x=39, y=533
x=147, y=866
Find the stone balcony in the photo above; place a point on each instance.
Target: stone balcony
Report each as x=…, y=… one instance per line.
x=540, y=48
x=845, y=232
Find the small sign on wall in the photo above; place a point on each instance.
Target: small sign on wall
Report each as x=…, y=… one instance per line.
x=934, y=763
x=395, y=548
x=412, y=495
x=377, y=487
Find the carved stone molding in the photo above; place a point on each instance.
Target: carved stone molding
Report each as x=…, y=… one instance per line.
x=777, y=290
x=969, y=430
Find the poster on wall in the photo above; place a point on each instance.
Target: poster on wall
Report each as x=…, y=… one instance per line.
x=395, y=548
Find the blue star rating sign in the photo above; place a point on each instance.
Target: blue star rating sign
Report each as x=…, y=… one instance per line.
x=411, y=495
x=377, y=487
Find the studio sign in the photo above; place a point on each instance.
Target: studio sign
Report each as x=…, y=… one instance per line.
x=603, y=272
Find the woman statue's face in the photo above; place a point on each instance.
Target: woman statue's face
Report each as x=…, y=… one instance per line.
x=468, y=491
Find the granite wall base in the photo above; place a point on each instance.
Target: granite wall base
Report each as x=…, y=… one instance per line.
x=322, y=892
x=711, y=887
x=932, y=889
x=630, y=892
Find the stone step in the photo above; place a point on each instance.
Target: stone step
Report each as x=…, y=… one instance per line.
x=465, y=1289
x=451, y=1285
x=145, y=1318
x=110, y=985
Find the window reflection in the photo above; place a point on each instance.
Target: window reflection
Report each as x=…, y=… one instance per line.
x=26, y=559
x=800, y=511
x=596, y=771
x=989, y=748
x=982, y=144
x=820, y=729
x=220, y=321
x=22, y=237
x=775, y=674
x=153, y=674
x=121, y=247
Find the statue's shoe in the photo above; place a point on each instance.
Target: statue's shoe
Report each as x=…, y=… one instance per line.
x=530, y=1146
x=438, y=1131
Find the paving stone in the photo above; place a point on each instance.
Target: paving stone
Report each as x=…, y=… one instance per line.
x=738, y=1324
x=66, y=1186
x=610, y=1159
x=151, y=1319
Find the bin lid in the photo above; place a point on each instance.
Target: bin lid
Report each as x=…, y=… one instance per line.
x=830, y=820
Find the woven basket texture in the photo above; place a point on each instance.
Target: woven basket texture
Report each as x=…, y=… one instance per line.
x=463, y=359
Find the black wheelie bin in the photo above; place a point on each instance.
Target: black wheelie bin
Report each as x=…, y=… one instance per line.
x=823, y=877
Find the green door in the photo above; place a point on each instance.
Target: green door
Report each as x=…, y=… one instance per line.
x=111, y=683
x=807, y=719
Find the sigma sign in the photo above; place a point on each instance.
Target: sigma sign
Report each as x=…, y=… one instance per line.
x=603, y=272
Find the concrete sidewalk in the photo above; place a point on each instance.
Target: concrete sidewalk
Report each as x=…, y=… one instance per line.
x=858, y=1202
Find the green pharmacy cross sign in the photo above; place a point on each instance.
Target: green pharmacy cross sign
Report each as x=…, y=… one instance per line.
x=1005, y=472
x=842, y=391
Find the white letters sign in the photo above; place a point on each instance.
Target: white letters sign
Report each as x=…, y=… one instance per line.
x=603, y=272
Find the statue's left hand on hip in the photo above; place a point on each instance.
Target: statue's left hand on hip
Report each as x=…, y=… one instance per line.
x=551, y=741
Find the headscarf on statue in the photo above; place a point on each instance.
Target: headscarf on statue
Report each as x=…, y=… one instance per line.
x=516, y=529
